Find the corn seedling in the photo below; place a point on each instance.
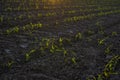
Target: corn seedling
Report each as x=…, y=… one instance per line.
x=42, y=49
x=114, y=34
x=101, y=41
x=60, y=41
x=8, y=31
x=65, y=52
x=52, y=49
x=32, y=51
x=91, y=78
x=39, y=15
x=47, y=42
x=110, y=66
x=78, y=36
x=1, y=18
x=100, y=77
x=15, y=30
x=98, y=24
x=73, y=60
x=108, y=49
x=27, y=56
x=90, y=32
x=10, y=64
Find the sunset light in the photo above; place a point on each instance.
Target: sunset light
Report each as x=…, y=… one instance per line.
x=54, y=2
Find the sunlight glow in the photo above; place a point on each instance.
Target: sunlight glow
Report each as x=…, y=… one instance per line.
x=54, y=2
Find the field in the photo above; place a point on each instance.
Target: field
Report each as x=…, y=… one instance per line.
x=60, y=40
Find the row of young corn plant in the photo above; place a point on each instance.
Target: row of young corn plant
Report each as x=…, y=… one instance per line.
x=52, y=46
x=107, y=47
x=37, y=4
x=31, y=26
x=52, y=14
x=27, y=5
x=55, y=45
x=81, y=10
x=27, y=27
x=109, y=69
x=90, y=16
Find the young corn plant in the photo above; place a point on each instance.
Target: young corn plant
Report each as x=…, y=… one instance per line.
x=42, y=49
x=108, y=49
x=1, y=19
x=65, y=52
x=13, y=30
x=8, y=32
x=47, y=43
x=73, y=59
x=53, y=48
x=10, y=63
x=114, y=33
x=110, y=66
x=78, y=36
x=28, y=55
x=100, y=77
x=39, y=14
x=90, y=32
x=102, y=41
x=91, y=78
x=61, y=41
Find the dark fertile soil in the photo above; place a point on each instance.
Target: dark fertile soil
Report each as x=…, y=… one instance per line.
x=83, y=58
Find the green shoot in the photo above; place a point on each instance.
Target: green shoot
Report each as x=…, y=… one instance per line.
x=10, y=63
x=78, y=36
x=114, y=33
x=65, y=52
x=74, y=60
x=101, y=42
x=60, y=41
x=27, y=56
